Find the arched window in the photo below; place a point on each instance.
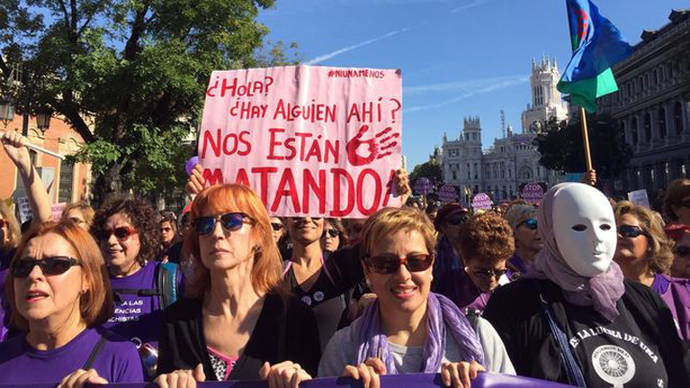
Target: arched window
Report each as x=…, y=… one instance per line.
x=647, y=127
x=662, y=123
x=678, y=117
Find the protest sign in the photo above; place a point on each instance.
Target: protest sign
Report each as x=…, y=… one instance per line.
x=447, y=194
x=482, y=201
x=639, y=197
x=24, y=207
x=423, y=186
x=56, y=210
x=532, y=193
x=310, y=140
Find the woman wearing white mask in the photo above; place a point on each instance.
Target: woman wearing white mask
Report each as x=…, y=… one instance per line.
x=575, y=319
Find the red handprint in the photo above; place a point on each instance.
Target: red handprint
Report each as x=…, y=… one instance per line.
x=379, y=146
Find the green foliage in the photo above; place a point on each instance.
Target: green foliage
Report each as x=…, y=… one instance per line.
x=562, y=148
x=130, y=75
x=430, y=170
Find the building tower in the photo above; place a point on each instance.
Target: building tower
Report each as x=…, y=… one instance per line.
x=546, y=99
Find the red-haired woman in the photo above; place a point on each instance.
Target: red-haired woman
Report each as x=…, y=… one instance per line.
x=236, y=322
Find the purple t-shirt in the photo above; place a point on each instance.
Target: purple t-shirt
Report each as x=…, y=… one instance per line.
x=676, y=293
x=137, y=317
x=3, y=306
x=457, y=286
x=117, y=361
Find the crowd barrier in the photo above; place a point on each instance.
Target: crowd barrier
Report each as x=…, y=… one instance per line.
x=484, y=380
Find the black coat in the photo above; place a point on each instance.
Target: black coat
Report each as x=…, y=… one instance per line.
x=515, y=310
x=286, y=330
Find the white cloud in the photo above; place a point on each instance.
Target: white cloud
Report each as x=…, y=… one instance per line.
x=470, y=4
x=343, y=50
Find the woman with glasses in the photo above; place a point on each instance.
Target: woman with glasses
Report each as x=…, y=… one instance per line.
x=448, y=221
x=681, y=250
x=60, y=296
x=237, y=321
x=574, y=318
x=128, y=232
x=486, y=243
x=644, y=254
x=408, y=329
x=333, y=235
x=523, y=221
x=171, y=244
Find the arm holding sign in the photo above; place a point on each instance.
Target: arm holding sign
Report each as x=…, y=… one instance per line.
x=14, y=145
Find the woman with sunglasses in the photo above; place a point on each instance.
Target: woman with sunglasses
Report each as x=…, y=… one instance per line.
x=448, y=221
x=522, y=219
x=408, y=329
x=644, y=254
x=128, y=232
x=574, y=318
x=677, y=201
x=236, y=321
x=333, y=235
x=681, y=250
x=486, y=242
x=60, y=296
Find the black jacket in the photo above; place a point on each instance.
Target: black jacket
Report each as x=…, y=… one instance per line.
x=515, y=310
x=286, y=330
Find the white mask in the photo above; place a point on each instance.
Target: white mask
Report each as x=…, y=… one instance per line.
x=585, y=229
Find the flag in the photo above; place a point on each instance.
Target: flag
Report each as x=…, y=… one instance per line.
x=597, y=46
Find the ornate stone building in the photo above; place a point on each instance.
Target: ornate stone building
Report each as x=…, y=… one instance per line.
x=512, y=160
x=652, y=106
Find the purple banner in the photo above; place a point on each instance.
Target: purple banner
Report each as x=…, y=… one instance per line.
x=447, y=193
x=411, y=381
x=423, y=186
x=482, y=201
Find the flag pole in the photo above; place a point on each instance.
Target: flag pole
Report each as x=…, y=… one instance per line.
x=585, y=137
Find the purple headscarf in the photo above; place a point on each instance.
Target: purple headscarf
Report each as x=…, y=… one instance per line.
x=601, y=291
x=441, y=312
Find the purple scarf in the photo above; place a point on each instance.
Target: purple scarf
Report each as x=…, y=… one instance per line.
x=441, y=312
x=601, y=291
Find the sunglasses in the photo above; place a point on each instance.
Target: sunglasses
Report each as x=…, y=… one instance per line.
x=331, y=232
x=530, y=223
x=488, y=273
x=122, y=233
x=682, y=251
x=50, y=266
x=387, y=264
x=229, y=221
x=630, y=231
x=276, y=226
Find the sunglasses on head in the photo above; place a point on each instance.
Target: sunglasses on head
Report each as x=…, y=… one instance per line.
x=229, y=221
x=630, y=231
x=530, y=223
x=488, y=273
x=682, y=251
x=331, y=232
x=50, y=266
x=122, y=233
x=276, y=226
x=387, y=264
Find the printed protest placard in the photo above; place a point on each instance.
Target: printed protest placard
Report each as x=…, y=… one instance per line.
x=310, y=140
x=447, y=193
x=482, y=201
x=24, y=207
x=532, y=193
x=639, y=197
x=56, y=210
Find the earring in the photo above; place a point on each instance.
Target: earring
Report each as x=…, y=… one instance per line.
x=368, y=282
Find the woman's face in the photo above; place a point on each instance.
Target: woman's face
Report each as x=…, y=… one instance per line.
x=305, y=230
x=278, y=228
x=483, y=274
x=52, y=298
x=167, y=232
x=526, y=236
x=120, y=243
x=683, y=211
x=331, y=238
x=223, y=249
x=630, y=249
x=681, y=261
x=402, y=290
x=77, y=216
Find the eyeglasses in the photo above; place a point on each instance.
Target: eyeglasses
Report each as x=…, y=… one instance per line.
x=332, y=233
x=50, y=266
x=77, y=221
x=387, y=264
x=229, y=221
x=488, y=273
x=276, y=226
x=122, y=233
x=530, y=223
x=682, y=250
x=630, y=231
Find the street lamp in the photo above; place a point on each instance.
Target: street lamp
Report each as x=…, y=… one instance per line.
x=43, y=116
x=6, y=110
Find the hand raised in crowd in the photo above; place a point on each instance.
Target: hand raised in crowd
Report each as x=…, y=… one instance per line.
x=459, y=374
x=183, y=378
x=81, y=377
x=286, y=374
x=369, y=372
x=196, y=181
x=590, y=178
x=401, y=183
x=13, y=142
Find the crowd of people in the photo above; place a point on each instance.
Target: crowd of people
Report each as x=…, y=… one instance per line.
x=580, y=290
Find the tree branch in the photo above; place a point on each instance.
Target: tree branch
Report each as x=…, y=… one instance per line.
x=65, y=13
x=89, y=17
x=71, y=112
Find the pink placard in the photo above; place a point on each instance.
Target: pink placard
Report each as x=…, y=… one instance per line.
x=310, y=140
